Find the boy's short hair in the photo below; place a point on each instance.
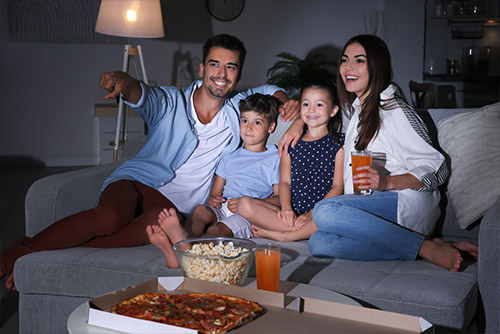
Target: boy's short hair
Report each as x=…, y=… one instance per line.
x=266, y=105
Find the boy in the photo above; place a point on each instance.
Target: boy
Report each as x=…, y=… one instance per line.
x=251, y=170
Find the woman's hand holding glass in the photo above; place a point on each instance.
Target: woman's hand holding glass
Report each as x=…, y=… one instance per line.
x=370, y=179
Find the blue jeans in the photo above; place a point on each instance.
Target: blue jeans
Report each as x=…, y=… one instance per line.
x=364, y=228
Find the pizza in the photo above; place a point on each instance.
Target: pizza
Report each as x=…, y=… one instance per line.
x=208, y=313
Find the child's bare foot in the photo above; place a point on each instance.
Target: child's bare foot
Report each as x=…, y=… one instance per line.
x=9, y=283
x=171, y=225
x=441, y=253
x=268, y=234
x=158, y=238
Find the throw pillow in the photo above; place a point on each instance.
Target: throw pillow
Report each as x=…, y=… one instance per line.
x=472, y=141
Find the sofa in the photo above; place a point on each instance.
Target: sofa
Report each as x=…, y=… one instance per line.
x=52, y=284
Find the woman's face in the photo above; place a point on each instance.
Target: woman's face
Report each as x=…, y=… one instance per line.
x=354, y=70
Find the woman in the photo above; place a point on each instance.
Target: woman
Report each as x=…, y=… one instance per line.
x=392, y=223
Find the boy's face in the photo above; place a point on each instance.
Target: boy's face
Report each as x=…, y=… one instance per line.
x=254, y=128
x=220, y=72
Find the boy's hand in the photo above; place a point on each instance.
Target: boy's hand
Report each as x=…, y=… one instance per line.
x=289, y=110
x=287, y=217
x=215, y=201
x=232, y=204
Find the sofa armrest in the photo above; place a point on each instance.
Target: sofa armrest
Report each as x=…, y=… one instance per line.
x=57, y=196
x=489, y=267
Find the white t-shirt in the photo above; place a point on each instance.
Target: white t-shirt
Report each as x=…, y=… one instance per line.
x=193, y=179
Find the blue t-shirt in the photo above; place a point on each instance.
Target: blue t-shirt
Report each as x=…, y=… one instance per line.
x=172, y=137
x=249, y=173
x=313, y=166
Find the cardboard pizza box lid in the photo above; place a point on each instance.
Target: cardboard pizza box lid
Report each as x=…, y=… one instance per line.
x=284, y=313
x=98, y=310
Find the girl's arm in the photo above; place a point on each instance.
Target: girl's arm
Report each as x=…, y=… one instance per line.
x=338, y=175
x=286, y=214
x=215, y=197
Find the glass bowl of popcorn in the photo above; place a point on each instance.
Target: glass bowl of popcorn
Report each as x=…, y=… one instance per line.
x=217, y=259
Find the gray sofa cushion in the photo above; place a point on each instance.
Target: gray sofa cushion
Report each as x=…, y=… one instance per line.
x=412, y=287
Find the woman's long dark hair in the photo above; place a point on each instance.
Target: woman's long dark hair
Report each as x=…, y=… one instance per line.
x=380, y=74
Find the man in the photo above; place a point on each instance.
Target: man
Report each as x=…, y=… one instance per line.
x=189, y=130
x=198, y=125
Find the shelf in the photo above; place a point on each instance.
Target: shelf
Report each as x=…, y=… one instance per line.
x=459, y=78
x=467, y=19
x=111, y=109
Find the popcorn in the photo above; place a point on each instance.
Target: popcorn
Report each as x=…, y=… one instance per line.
x=212, y=266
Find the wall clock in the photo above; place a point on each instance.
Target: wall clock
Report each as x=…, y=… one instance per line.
x=225, y=10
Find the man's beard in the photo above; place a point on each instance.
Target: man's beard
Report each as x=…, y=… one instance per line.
x=219, y=92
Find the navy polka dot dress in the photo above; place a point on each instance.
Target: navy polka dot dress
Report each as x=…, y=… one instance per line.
x=313, y=164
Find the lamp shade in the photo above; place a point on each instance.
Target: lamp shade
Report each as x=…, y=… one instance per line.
x=137, y=18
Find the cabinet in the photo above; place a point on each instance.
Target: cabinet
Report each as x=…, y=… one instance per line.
x=107, y=115
x=462, y=48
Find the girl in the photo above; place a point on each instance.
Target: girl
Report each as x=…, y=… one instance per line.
x=306, y=173
x=392, y=223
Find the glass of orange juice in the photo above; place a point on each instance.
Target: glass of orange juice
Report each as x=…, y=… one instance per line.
x=361, y=158
x=267, y=263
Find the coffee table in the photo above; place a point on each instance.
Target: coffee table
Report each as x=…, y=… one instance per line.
x=77, y=321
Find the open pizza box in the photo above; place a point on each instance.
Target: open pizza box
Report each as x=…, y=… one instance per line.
x=286, y=312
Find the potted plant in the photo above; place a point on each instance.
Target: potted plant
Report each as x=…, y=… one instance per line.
x=292, y=73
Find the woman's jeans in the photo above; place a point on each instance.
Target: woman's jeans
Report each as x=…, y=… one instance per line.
x=365, y=228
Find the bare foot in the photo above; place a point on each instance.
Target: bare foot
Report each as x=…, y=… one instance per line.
x=268, y=234
x=441, y=253
x=158, y=238
x=9, y=283
x=170, y=224
x=466, y=248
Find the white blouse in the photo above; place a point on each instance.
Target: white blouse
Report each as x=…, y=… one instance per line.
x=402, y=146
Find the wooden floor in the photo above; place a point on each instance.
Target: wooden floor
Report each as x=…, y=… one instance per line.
x=17, y=175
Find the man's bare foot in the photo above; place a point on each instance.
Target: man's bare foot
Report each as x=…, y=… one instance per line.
x=441, y=253
x=171, y=225
x=9, y=283
x=158, y=238
x=268, y=234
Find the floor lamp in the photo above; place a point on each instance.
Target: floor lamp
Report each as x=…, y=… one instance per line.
x=139, y=19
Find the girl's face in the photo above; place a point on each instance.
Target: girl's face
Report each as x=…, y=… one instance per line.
x=354, y=70
x=316, y=107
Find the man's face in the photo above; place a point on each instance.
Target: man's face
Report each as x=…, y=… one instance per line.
x=220, y=72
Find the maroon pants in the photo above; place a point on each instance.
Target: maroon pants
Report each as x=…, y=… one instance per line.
x=124, y=210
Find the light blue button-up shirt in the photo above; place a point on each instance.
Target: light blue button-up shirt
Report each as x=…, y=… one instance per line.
x=171, y=133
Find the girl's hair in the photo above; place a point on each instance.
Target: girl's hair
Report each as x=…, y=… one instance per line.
x=335, y=123
x=380, y=74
